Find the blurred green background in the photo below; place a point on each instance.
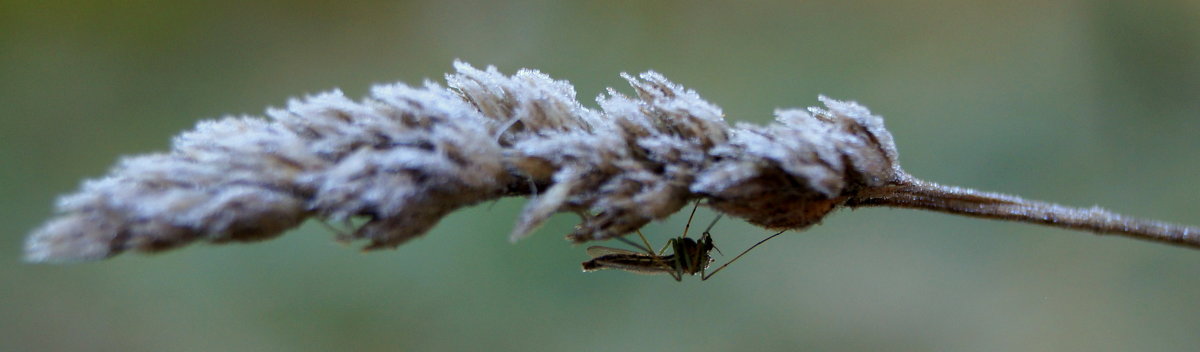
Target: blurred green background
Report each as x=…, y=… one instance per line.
x=1076, y=102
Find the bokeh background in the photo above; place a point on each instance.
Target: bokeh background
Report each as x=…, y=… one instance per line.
x=1078, y=102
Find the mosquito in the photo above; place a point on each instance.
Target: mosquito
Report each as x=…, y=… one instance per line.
x=689, y=256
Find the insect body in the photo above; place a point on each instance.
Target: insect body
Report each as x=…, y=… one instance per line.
x=689, y=256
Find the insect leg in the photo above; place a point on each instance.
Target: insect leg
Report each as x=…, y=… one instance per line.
x=342, y=236
x=634, y=244
x=657, y=257
x=648, y=247
x=688, y=225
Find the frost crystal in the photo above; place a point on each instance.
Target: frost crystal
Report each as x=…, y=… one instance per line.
x=406, y=156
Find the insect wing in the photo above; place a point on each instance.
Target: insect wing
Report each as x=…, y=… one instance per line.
x=600, y=251
x=636, y=263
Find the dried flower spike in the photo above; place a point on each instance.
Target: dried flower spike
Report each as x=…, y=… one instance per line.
x=406, y=156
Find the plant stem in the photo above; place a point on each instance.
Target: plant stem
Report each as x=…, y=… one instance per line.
x=917, y=194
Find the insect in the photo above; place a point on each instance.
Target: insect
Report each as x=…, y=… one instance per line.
x=689, y=256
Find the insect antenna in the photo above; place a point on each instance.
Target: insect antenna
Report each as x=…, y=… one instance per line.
x=710, y=275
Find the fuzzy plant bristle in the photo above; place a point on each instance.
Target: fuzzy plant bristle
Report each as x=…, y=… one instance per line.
x=406, y=156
